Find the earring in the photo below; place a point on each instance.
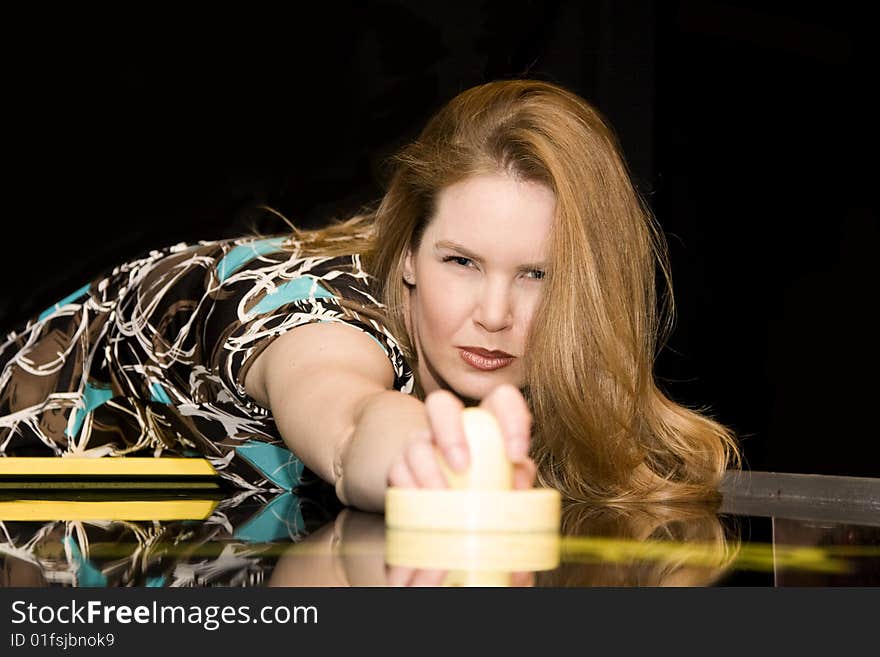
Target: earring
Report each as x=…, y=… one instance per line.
x=409, y=279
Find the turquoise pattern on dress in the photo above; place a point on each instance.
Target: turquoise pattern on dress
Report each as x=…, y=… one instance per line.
x=295, y=290
x=280, y=519
x=92, y=398
x=70, y=298
x=277, y=464
x=159, y=394
x=86, y=573
x=241, y=255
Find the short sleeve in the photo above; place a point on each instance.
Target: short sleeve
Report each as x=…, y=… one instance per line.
x=272, y=294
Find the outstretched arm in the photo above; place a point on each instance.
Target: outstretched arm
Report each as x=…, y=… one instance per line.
x=329, y=387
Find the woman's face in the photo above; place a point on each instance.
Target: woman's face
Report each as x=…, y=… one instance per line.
x=476, y=281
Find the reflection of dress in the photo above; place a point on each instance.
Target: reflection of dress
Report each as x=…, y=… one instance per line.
x=150, y=359
x=238, y=545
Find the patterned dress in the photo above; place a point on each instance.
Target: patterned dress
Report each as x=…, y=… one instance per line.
x=150, y=359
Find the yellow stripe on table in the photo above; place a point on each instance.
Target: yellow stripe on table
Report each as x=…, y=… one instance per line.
x=109, y=466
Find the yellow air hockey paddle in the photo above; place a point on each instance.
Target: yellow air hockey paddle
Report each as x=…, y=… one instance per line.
x=482, y=497
x=480, y=529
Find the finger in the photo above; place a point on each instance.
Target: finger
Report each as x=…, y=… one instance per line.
x=398, y=575
x=444, y=414
x=426, y=577
x=400, y=476
x=511, y=410
x=524, y=474
x=422, y=461
x=522, y=578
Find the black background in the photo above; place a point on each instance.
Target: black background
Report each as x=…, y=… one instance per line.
x=747, y=125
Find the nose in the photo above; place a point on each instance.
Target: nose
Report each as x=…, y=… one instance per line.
x=495, y=306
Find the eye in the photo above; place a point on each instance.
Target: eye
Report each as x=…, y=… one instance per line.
x=539, y=274
x=448, y=258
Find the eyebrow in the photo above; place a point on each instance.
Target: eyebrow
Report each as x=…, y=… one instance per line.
x=455, y=246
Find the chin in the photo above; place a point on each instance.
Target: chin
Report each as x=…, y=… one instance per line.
x=477, y=390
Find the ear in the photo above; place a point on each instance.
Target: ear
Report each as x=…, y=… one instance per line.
x=409, y=270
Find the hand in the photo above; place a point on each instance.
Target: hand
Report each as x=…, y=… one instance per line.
x=418, y=465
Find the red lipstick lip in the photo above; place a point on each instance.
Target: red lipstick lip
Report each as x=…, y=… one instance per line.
x=484, y=363
x=488, y=354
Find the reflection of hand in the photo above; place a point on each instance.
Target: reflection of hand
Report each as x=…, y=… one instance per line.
x=313, y=561
x=419, y=467
x=402, y=576
x=346, y=552
x=351, y=552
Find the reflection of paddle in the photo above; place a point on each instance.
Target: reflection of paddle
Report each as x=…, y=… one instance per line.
x=49, y=510
x=472, y=558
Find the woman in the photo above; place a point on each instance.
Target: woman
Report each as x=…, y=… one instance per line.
x=510, y=263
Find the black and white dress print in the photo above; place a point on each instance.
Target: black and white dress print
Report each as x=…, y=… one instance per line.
x=149, y=360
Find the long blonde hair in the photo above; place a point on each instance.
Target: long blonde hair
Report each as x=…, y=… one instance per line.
x=603, y=430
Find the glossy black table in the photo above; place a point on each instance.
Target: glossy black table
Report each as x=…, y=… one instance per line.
x=770, y=529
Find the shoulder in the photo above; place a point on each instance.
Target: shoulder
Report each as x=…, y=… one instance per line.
x=278, y=305
x=315, y=350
